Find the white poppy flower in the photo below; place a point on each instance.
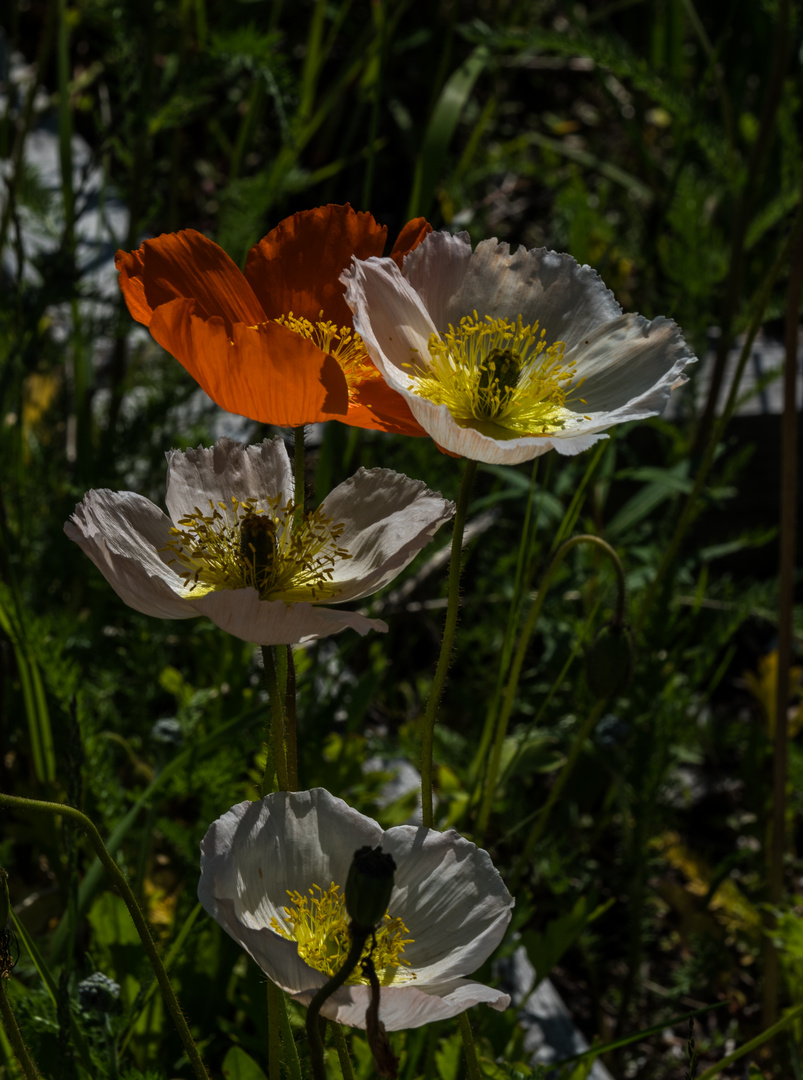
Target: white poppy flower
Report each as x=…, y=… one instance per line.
x=229, y=549
x=502, y=357
x=273, y=874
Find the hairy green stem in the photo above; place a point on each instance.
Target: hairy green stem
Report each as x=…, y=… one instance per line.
x=518, y=660
x=358, y=940
x=288, y=1040
x=15, y=1035
x=277, y=740
x=115, y=873
x=447, y=644
x=470, y=1050
x=778, y=831
x=343, y=1054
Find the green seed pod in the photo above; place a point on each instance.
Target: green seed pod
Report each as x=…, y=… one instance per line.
x=368, y=886
x=609, y=661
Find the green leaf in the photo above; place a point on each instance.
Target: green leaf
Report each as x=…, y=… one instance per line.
x=237, y=1065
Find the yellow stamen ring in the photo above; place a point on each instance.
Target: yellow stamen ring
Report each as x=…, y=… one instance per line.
x=244, y=545
x=319, y=925
x=500, y=372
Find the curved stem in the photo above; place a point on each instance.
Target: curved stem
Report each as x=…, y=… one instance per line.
x=358, y=939
x=120, y=882
x=15, y=1036
x=447, y=644
x=472, y=1065
x=518, y=660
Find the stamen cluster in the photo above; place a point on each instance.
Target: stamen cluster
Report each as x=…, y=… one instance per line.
x=499, y=371
x=344, y=344
x=319, y=924
x=244, y=545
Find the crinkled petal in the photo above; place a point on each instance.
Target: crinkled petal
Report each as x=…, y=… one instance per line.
x=451, y=898
x=296, y=267
x=436, y=271
x=225, y=471
x=258, y=851
x=186, y=265
x=408, y=239
x=411, y=1006
x=124, y=534
x=388, y=518
x=628, y=368
x=265, y=371
x=390, y=317
x=273, y=622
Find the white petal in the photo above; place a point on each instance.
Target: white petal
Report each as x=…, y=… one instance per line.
x=451, y=898
x=437, y=270
x=388, y=519
x=258, y=851
x=124, y=534
x=409, y=1006
x=389, y=316
x=224, y=471
x=273, y=622
x=629, y=367
x=569, y=301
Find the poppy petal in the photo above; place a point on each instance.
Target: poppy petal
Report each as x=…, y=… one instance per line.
x=296, y=267
x=409, y=238
x=186, y=265
x=265, y=372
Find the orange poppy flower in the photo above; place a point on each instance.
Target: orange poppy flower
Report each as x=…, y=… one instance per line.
x=277, y=343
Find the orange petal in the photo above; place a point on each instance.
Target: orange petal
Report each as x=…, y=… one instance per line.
x=410, y=237
x=266, y=372
x=186, y=265
x=381, y=408
x=297, y=265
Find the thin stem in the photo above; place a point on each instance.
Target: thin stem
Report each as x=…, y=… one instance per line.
x=274, y=1032
x=518, y=660
x=778, y=832
x=537, y=830
x=472, y=1065
x=120, y=882
x=288, y=1040
x=343, y=1052
x=15, y=1036
x=290, y=726
x=358, y=939
x=759, y=1040
x=447, y=644
x=276, y=723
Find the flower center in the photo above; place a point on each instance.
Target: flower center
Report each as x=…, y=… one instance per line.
x=498, y=372
x=319, y=925
x=243, y=545
x=343, y=344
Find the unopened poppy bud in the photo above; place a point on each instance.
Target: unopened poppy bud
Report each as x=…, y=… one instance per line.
x=609, y=661
x=368, y=886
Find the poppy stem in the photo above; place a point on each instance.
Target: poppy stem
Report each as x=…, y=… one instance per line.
x=447, y=645
x=359, y=936
x=472, y=1065
x=121, y=884
x=15, y=1036
x=277, y=740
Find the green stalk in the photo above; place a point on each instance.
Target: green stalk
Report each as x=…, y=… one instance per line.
x=276, y=740
x=778, y=832
x=288, y=1040
x=447, y=644
x=343, y=1052
x=122, y=886
x=472, y=1065
x=274, y=1032
x=518, y=660
x=358, y=940
x=15, y=1035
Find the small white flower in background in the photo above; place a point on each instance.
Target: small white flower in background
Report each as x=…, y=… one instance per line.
x=273, y=874
x=502, y=357
x=230, y=549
